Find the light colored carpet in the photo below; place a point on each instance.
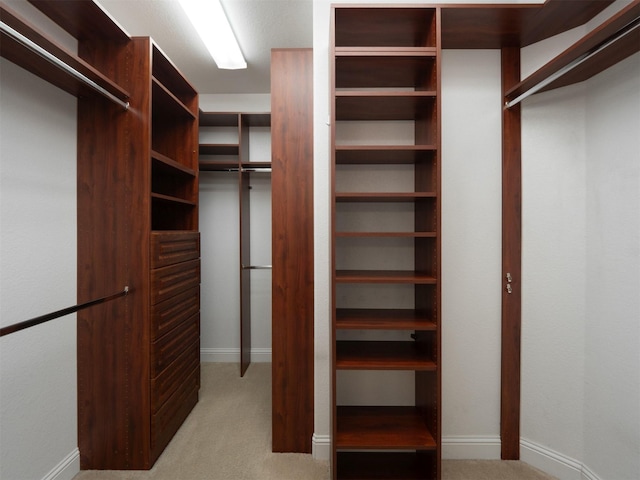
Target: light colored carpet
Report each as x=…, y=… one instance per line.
x=228, y=437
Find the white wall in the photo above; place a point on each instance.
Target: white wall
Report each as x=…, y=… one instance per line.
x=581, y=277
x=38, y=418
x=612, y=347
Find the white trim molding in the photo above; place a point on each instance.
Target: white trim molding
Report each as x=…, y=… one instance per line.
x=68, y=467
x=553, y=462
x=457, y=447
x=321, y=446
x=232, y=355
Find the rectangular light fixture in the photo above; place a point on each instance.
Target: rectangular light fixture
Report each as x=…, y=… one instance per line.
x=211, y=23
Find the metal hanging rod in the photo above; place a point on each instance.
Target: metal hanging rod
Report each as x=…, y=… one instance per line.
x=256, y=267
x=34, y=47
x=257, y=169
x=60, y=313
x=631, y=26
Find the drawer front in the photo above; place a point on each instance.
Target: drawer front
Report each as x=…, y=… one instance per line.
x=167, y=282
x=169, y=248
x=168, y=419
x=167, y=315
x=173, y=376
x=170, y=347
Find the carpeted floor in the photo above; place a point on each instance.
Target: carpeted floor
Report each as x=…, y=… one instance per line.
x=228, y=437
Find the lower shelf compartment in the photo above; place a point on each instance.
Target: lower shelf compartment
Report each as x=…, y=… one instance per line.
x=386, y=466
x=393, y=428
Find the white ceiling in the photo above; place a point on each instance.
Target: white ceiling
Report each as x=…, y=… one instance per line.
x=259, y=25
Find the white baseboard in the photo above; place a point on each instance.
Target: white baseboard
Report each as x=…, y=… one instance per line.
x=66, y=469
x=468, y=447
x=554, y=463
x=232, y=355
x=321, y=447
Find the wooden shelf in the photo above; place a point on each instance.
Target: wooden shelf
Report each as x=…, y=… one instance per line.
x=388, y=355
x=170, y=200
x=217, y=166
x=86, y=21
x=382, y=26
x=219, y=149
x=255, y=164
x=165, y=102
x=385, y=465
x=383, y=197
x=384, y=105
x=387, y=234
x=384, y=276
x=384, y=154
x=170, y=166
x=26, y=58
x=373, y=69
x=215, y=119
x=608, y=57
x=393, y=428
x=382, y=319
x=168, y=75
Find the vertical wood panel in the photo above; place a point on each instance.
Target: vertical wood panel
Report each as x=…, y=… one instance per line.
x=511, y=261
x=292, y=248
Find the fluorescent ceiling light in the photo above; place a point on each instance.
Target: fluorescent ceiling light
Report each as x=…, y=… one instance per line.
x=210, y=21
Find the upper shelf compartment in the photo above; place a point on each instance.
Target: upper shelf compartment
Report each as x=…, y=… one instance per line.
x=385, y=28
x=171, y=86
x=24, y=45
x=610, y=43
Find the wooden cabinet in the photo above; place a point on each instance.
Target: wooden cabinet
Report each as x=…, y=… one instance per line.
x=137, y=197
x=386, y=238
x=139, y=361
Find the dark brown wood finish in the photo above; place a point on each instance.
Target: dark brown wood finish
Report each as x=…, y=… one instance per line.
x=27, y=59
x=138, y=364
x=292, y=248
x=511, y=262
x=386, y=67
x=245, y=249
x=495, y=26
x=617, y=52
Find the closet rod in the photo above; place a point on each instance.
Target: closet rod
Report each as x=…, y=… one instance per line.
x=65, y=311
x=34, y=47
x=631, y=26
x=257, y=169
x=256, y=267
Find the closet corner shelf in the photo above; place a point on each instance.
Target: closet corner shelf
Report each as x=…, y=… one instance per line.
x=382, y=355
x=171, y=166
x=384, y=276
x=383, y=319
x=50, y=61
x=583, y=54
x=398, y=428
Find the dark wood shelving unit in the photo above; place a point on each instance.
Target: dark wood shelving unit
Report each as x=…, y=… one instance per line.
x=138, y=358
x=386, y=68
